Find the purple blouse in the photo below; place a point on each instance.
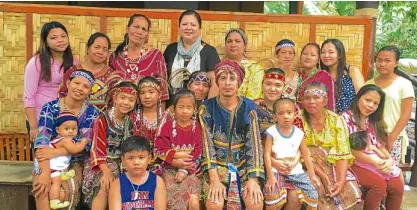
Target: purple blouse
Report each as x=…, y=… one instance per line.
x=38, y=92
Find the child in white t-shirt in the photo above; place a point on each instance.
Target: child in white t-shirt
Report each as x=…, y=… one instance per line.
x=285, y=142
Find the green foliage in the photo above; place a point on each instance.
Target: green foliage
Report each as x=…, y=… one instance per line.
x=343, y=8
x=277, y=7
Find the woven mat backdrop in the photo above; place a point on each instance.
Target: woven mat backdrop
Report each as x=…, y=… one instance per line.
x=81, y=22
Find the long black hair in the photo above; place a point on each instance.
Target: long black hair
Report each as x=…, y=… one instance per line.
x=376, y=118
x=318, y=52
x=341, y=63
x=45, y=54
x=132, y=18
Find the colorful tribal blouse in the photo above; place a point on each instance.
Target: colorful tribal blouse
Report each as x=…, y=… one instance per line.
x=239, y=134
x=334, y=137
x=107, y=138
x=99, y=89
x=47, y=126
x=170, y=140
x=252, y=83
x=151, y=64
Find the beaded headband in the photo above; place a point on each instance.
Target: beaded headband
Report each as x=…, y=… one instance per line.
x=150, y=85
x=283, y=45
x=199, y=78
x=127, y=90
x=316, y=92
x=85, y=75
x=274, y=75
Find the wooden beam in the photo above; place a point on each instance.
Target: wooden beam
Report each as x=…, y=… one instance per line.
x=312, y=33
x=366, y=62
x=300, y=7
x=103, y=24
x=174, y=30
x=29, y=36
x=173, y=14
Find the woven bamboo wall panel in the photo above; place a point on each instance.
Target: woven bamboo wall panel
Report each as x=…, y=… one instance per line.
x=79, y=29
x=263, y=37
x=159, y=36
x=12, y=65
x=213, y=33
x=352, y=37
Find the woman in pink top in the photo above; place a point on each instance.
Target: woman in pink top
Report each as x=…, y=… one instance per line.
x=379, y=176
x=44, y=71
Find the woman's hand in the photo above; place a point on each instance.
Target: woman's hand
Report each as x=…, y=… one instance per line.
x=45, y=153
x=391, y=139
x=253, y=190
x=41, y=189
x=182, y=155
x=182, y=163
x=32, y=134
x=283, y=167
x=336, y=188
x=217, y=191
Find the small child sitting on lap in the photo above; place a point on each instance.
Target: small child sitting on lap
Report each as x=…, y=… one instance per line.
x=137, y=188
x=360, y=141
x=66, y=127
x=284, y=142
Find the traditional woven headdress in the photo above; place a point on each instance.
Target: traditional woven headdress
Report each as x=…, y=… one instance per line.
x=85, y=75
x=229, y=66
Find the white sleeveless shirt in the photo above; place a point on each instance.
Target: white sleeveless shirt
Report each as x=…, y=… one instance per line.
x=286, y=146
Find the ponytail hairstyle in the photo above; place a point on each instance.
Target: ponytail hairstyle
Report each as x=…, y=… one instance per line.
x=394, y=49
x=125, y=41
x=45, y=54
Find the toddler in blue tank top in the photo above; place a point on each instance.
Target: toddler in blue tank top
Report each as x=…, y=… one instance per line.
x=137, y=188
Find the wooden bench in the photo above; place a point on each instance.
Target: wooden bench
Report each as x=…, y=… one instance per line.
x=15, y=147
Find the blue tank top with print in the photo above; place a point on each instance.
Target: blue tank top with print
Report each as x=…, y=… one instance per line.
x=143, y=198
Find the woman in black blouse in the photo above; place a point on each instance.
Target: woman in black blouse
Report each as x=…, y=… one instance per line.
x=190, y=53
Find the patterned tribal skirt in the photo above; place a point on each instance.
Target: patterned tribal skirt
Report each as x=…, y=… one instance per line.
x=348, y=197
x=179, y=193
x=300, y=182
x=91, y=182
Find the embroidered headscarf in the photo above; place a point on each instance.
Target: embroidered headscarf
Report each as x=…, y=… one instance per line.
x=229, y=66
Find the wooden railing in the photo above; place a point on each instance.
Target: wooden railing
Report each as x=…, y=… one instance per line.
x=15, y=147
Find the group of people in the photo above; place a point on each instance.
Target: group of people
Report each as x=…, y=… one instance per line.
x=138, y=129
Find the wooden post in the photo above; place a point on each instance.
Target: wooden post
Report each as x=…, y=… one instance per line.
x=370, y=9
x=296, y=7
